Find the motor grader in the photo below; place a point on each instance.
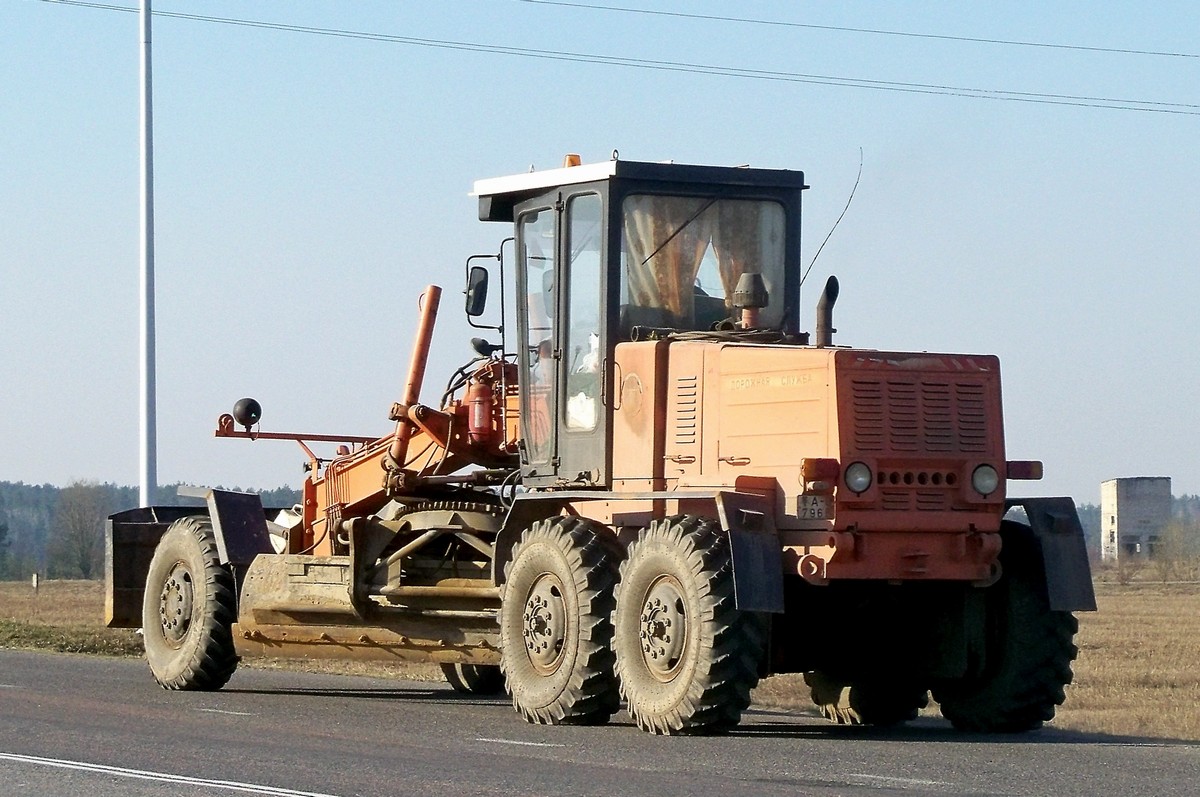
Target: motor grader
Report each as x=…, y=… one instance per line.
x=652, y=488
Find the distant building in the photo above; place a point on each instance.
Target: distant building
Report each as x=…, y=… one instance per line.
x=1133, y=513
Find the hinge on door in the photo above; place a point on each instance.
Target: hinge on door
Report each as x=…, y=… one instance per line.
x=555, y=462
x=559, y=205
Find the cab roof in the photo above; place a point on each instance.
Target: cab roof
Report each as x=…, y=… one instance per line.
x=499, y=195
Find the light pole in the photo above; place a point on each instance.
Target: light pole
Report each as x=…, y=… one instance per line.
x=148, y=470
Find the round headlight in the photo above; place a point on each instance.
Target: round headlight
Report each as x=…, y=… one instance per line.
x=858, y=477
x=985, y=480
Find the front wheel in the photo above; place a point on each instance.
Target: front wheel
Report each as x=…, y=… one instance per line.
x=189, y=609
x=687, y=658
x=556, y=624
x=1029, y=649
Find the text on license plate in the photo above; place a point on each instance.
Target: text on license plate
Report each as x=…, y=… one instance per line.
x=812, y=507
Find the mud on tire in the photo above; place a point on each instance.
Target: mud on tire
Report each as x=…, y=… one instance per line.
x=189, y=609
x=687, y=658
x=556, y=623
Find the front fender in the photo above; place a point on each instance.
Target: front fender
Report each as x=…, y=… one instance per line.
x=239, y=523
x=1055, y=524
x=129, y=542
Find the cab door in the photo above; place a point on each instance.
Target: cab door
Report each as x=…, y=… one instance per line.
x=563, y=360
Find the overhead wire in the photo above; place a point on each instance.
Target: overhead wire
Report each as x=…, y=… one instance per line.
x=1072, y=100
x=842, y=215
x=874, y=31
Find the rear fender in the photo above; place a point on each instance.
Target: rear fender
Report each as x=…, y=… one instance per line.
x=1056, y=526
x=749, y=521
x=527, y=509
x=747, y=518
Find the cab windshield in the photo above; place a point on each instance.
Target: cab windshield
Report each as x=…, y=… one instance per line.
x=682, y=257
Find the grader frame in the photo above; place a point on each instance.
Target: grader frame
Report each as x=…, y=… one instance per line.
x=655, y=489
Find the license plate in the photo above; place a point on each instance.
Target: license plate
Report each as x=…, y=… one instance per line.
x=812, y=507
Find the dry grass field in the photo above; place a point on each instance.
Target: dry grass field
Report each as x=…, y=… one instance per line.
x=67, y=616
x=1138, y=672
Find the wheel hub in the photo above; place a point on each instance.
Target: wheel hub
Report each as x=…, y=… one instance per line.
x=544, y=623
x=175, y=604
x=663, y=630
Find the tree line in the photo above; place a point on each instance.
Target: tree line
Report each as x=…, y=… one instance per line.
x=58, y=532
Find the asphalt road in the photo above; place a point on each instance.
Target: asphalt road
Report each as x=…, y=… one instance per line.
x=101, y=727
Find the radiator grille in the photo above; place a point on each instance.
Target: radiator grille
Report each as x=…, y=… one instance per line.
x=919, y=417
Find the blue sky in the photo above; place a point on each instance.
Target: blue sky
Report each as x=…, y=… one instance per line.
x=308, y=186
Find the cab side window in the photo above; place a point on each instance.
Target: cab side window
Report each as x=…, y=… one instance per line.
x=583, y=353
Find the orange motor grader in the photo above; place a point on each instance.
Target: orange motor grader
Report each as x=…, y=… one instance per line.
x=652, y=488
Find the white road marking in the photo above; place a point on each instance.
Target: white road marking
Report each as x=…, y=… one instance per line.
x=223, y=711
x=891, y=781
x=10, y=686
x=522, y=744
x=163, y=777
x=1172, y=745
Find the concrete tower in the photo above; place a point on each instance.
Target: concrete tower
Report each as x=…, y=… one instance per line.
x=1133, y=513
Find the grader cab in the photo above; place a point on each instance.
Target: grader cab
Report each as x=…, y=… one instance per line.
x=653, y=488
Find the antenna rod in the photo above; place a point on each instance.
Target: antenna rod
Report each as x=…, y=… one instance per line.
x=149, y=434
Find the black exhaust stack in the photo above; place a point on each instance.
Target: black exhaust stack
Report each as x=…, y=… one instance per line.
x=824, y=334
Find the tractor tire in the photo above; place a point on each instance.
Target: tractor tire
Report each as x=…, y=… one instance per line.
x=829, y=696
x=188, y=609
x=887, y=703
x=1029, y=649
x=556, y=624
x=687, y=658
x=474, y=679
x=880, y=702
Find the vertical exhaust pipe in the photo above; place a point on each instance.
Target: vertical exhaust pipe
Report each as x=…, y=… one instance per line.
x=824, y=333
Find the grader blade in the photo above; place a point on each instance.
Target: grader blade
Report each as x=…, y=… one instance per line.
x=304, y=606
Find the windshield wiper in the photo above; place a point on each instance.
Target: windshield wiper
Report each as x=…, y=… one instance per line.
x=712, y=201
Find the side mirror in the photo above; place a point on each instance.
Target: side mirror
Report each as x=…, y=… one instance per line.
x=477, y=288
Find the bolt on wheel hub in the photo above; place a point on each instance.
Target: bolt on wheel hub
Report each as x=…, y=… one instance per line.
x=663, y=631
x=175, y=604
x=544, y=623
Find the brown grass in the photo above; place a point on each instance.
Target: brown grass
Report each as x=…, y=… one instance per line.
x=1138, y=672
x=66, y=604
x=66, y=616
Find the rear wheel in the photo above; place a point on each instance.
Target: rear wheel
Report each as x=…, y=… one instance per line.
x=687, y=658
x=886, y=702
x=474, y=679
x=877, y=701
x=188, y=609
x=1029, y=650
x=556, y=624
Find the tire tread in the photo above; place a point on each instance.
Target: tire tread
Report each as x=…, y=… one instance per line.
x=207, y=659
x=726, y=671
